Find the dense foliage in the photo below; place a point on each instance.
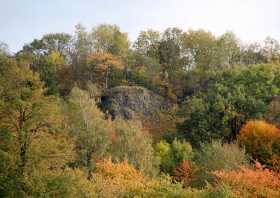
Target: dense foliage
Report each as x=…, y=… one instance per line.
x=251, y=183
x=172, y=155
x=230, y=98
x=214, y=157
x=262, y=141
x=57, y=139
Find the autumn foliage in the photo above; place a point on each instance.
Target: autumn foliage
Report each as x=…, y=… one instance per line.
x=103, y=60
x=121, y=170
x=94, y=115
x=102, y=64
x=116, y=179
x=262, y=141
x=251, y=183
x=182, y=173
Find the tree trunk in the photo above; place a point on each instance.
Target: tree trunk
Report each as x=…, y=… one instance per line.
x=23, y=143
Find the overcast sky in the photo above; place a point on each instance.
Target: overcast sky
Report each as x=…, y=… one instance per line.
x=252, y=20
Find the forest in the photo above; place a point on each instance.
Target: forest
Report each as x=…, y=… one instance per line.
x=172, y=114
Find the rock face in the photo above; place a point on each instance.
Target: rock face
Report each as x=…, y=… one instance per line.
x=130, y=102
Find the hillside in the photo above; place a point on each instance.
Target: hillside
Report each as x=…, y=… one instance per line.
x=174, y=114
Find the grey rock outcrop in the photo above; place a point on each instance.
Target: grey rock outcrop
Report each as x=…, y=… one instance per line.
x=130, y=102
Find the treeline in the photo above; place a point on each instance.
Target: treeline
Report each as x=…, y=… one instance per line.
x=159, y=61
x=55, y=141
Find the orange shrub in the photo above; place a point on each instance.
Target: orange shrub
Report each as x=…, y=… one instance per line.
x=117, y=179
x=251, y=183
x=123, y=180
x=261, y=140
x=121, y=170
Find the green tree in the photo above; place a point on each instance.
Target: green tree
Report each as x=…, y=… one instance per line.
x=216, y=156
x=147, y=43
x=48, y=56
x=172, y=155
x=48, y=67
x=199, y=47
x=131, y=143
x=252, y=54
x=230, y=98
x=89, y=129
x=271, y=50
x=228, y=50
x=81, y=49
x=170, y=54
x=59, y=42
x=109, y=39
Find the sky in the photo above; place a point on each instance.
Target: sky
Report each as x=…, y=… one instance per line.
x=251, y=20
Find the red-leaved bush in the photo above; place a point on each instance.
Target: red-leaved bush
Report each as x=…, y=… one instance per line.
x=182, y=172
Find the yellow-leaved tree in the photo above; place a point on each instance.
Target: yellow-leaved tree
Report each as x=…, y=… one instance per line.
x=102, y=64
x=31, y=123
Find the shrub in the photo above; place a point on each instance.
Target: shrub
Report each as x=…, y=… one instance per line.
x=133, y=144
x=122, y=180
x=171, y=155
x=262, y=141
x=182, y=172
x=217, y=156
x=118, y=170
x=163, y=187
x=116, y=179
x=251, y=183
x=66, y=183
